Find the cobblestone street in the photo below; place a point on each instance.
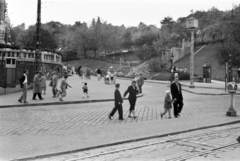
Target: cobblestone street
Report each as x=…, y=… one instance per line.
x=203, y=145
x=42, y=130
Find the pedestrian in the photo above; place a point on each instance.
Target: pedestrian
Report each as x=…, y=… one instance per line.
x=176, y=91
x=114, y=76
x=140, y=82
x=79, y=71
x=43, y=80
x=37, y=90
x=54, y=83
x=107, y=79
x=88, y=73
x=99, y=73
x=167, y=105
x=132, y=90
x=118, y=104
x=85, y=90
x=23, y=83
x=63, y=87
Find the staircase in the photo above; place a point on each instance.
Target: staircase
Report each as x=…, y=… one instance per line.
x=207, y=54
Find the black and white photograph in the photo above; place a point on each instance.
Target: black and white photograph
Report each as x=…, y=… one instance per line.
x=119, y=80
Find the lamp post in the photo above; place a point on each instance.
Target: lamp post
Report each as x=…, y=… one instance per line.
x=192, y=25
x=121, y=61
x=171, y=59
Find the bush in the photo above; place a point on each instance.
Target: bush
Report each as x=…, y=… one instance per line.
x=167, y=76
x=157, y=65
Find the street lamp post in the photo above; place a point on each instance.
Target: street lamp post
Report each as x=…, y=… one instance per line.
x=192, y=25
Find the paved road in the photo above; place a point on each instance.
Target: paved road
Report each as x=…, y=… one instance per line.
x=33, y=131
x=203, y=145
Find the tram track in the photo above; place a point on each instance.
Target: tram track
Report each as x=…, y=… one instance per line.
x=182, y=158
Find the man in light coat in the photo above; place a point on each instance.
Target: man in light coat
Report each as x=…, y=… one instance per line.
x=54, y=84
x=37, y=88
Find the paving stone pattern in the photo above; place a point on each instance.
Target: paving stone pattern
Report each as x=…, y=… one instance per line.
x=188, y=146
x=40, y=130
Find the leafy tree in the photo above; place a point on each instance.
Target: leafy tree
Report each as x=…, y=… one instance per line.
x=223, y=55
x=28, y=39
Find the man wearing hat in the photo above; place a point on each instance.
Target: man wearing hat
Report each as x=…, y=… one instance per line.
x=132, y=90
x=118, y=104
x=37, y=90
x=176, y=91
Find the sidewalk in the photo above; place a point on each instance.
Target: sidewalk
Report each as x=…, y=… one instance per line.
x=98, y=92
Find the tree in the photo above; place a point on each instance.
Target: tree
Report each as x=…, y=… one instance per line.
x=223, y=55
x=28, y=39
x=167, y=22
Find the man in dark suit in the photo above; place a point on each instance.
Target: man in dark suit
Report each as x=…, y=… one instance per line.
x=176, y=91
x=23, y=83
x=118, y=104
x=132, y=90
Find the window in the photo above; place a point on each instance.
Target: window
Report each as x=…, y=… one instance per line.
x=9, y=54
x=18, y=55
x=13, y=61
x=25, y=55
x=8, y=61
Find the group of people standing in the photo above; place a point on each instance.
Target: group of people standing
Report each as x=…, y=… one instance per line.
x=140, y=81
x=110, y=77
x=84, y=73
x=40, y=86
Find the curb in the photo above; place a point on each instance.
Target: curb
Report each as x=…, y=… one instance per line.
x=62, y=103
x=168, y=83
x=124, y=142
x=183, y=85
x=209, y=94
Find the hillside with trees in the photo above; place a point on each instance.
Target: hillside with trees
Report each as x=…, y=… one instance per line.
x=100, y=38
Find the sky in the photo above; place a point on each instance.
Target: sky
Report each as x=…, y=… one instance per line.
x=116, y=12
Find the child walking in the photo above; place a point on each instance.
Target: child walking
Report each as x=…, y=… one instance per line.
x=85, y=90
x=167, y=105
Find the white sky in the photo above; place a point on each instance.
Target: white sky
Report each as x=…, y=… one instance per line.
x=116, y=12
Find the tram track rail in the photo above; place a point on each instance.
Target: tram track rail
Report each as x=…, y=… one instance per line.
x=171, y=140
x=182, y=158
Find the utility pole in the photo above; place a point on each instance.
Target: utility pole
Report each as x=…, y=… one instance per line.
x=38, y=28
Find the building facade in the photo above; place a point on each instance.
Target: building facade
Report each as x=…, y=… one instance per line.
x=14, y=61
